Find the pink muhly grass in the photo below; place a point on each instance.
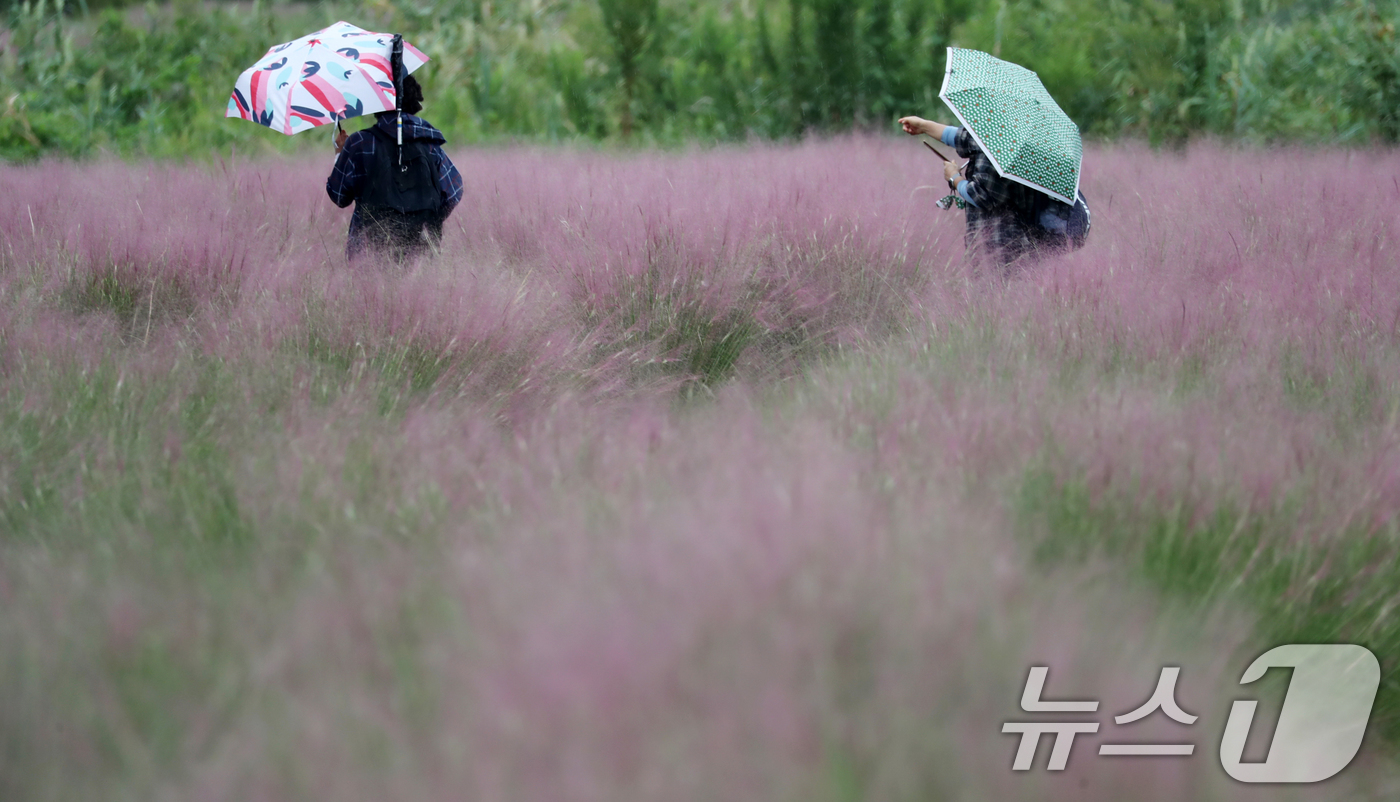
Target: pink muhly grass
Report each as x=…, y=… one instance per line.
x=682, y=476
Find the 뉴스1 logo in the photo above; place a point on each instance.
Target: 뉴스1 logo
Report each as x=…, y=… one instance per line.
x=1319, y=731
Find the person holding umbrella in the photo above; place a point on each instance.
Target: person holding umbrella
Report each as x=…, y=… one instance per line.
x=396, y=173
x=1020, y=185
x=995, y=228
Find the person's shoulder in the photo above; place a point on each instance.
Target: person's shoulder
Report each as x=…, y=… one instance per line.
x=422, y=130
x=362, y=139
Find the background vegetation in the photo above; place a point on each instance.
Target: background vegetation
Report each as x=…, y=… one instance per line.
x=79, y=78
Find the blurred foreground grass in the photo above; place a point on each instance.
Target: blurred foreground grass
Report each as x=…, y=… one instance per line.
x=161, y=554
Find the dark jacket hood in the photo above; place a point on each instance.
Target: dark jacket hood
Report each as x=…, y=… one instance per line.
x=414, y=128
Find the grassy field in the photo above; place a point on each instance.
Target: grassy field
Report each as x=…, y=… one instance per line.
x=712, y=475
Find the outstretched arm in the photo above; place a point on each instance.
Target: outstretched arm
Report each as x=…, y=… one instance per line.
x=914, y=126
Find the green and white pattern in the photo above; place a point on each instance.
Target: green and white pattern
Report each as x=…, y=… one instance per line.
x=1024, y=132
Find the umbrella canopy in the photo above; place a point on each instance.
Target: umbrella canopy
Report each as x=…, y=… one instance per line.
x=333, y=74
x=1015, y=121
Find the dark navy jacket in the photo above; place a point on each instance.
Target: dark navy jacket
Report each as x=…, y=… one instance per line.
x=347, y=180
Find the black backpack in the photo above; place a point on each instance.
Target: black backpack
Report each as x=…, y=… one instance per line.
x=401, y=199
x=1057, y=223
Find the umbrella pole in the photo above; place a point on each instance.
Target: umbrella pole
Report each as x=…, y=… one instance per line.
x=935, y=151
x=396, y=65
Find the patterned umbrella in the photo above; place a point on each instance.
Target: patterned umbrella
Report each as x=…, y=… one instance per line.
x=322, y=78
x=1015, y=121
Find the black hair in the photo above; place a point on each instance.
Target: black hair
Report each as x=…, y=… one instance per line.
x=412, y=100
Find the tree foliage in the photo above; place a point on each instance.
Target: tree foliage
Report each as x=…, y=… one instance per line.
x=155, y=80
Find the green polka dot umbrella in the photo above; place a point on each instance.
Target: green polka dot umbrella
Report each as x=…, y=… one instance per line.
x=1015, y=121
